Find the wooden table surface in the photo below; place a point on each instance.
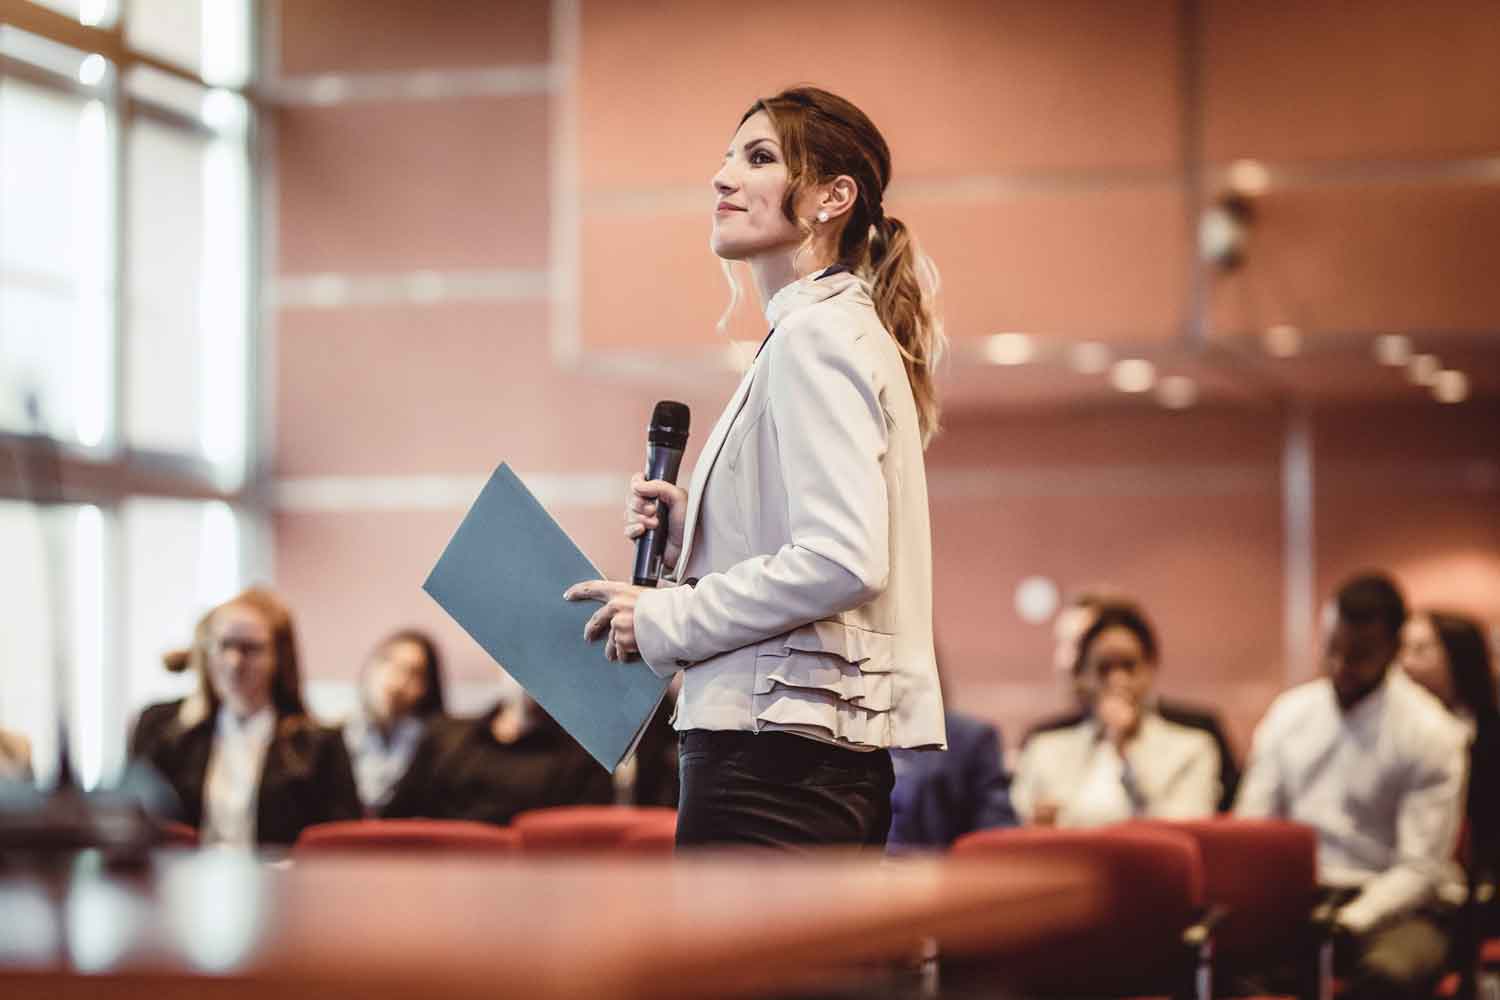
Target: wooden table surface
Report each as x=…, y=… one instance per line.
x=225, y=924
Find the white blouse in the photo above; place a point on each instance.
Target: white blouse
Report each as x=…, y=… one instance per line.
x=232, y=787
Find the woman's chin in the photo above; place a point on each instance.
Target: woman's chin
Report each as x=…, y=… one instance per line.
x=726, y=249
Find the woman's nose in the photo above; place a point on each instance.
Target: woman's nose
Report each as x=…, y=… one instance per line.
x=723, y=185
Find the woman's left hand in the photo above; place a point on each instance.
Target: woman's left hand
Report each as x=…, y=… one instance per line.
x=616, y=617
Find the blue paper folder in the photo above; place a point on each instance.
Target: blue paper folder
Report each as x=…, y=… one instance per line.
x=502, y=578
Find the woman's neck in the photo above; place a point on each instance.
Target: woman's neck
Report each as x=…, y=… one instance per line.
x=774, y=271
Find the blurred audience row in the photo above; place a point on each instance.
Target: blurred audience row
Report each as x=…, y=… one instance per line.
x=1388, y=755
x=1392, y=755
x=248, y=764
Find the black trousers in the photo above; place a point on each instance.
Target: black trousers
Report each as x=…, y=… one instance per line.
x=780, y=790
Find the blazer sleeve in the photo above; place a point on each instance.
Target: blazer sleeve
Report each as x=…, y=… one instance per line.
x=831, y=434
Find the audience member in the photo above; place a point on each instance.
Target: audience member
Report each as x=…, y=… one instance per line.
x=940, y=796
x=1371, y=760
x=1068, y=628
x=1447, y=654
x=400, y=693
x=1124, y=759
x=512, y=758
x=245, y=759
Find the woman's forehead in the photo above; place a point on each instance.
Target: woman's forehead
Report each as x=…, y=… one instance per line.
x=757, y=126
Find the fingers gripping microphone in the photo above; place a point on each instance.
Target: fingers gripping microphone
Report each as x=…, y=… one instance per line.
x=666, y=439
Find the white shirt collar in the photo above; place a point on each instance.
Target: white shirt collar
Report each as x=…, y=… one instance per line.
x=809, y=291
x=256, y=728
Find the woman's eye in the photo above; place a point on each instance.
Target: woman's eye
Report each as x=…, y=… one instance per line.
x=760, y=157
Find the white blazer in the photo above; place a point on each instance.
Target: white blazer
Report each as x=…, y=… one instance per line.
x=1168, y=771
x=808, y=537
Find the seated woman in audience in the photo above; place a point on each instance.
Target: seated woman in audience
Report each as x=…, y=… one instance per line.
x=512, y=758
x=1124, y=760
x=248, y=763
x=1447, y=654
x=400, y=693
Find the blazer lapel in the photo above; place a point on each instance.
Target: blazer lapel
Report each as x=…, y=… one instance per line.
x=705, y=465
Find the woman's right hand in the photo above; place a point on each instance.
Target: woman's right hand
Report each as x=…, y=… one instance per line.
x=643, y=508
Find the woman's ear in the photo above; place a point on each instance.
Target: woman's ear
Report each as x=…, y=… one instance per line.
x=839, y=196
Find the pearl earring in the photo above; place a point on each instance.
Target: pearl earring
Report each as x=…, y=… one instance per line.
x=822, y=216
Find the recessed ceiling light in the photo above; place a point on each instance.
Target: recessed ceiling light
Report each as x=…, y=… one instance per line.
x=1450, y=386
x=1283, y=341
x=1177, y=392
x=1009, y=349
x=1090, y=357
x=1133, y=375
x=1423, y=368
x=1393, y=349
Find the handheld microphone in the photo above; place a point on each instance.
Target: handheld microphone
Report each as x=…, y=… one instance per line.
x=666, y=440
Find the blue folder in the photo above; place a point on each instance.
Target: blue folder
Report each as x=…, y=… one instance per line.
x=502, y=578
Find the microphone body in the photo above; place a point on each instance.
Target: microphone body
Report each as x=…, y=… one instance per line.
x=666, y=439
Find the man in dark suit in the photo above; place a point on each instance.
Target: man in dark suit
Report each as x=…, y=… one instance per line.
x=1071, y=623
x=940, y=796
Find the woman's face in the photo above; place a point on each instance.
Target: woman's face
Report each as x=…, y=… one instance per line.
x=396, y=680
x=241, y=659
x=748, y=189
x=1424, y=659
x=1116, y=663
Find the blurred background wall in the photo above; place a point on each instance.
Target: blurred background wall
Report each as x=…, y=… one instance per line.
x=544, y=169
x=1219, y=279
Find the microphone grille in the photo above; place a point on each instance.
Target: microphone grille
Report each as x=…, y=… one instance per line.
x=670, y=415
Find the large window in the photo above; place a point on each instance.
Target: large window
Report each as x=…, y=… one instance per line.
x=126, y=356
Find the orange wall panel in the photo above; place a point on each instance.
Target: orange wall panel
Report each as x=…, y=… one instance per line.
x=412, y=185
x=454, y=388
x=365, y=36
x=1332, y=80
x=1376, y=257
x=959, y=88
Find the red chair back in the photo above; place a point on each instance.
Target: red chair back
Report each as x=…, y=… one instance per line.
x=654, y=835
x=425, y=835
x=575, y=829
x=1264, y=873
x=1150, y=891
x=175, y=834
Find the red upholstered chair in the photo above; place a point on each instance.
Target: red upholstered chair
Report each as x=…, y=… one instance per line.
x=654, y=835
x=1264, y=876
x=1143, y=937
x=574, y=829
x=425, y=835
x=175, y=834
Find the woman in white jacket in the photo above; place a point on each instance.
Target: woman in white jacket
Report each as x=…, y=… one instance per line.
x=801, y=617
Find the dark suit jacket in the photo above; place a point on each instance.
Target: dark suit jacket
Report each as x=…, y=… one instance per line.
x=1192, y=716
x=460, y=771
x=940, y=795
x=306, y=779
x=150, y=726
